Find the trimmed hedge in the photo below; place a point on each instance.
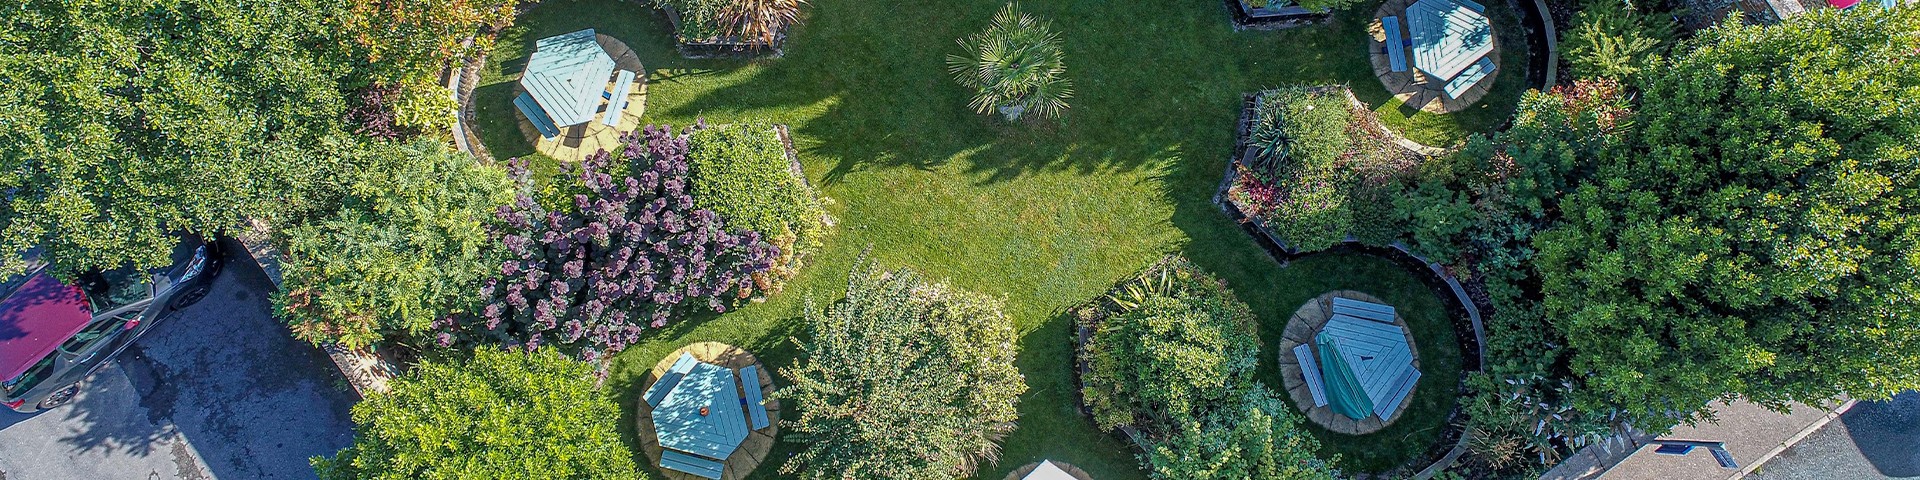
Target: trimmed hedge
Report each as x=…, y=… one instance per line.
x=742, y=172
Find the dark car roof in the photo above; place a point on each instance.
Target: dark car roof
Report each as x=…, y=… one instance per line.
x=35, y=318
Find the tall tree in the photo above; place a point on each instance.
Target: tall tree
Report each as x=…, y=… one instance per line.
x=1761, y=241
x=126, y=120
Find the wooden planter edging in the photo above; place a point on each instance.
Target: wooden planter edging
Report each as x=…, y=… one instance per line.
x=1272, y=18
x=1472, y=347
x=729, y=47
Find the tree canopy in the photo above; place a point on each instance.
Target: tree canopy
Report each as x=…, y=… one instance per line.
x=1761, y=239
x=499, y=415
x=903, y=379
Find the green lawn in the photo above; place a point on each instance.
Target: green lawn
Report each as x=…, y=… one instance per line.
x=1045, y=215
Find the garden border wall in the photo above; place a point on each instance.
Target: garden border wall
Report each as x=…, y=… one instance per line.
x=1443, y=284
x=1272, y=19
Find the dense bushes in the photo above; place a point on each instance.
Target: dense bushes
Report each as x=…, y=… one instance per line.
x=742, y=173
x=1609, y=40
x=1757, y=239
x=903, y=379
x=629, y=252
x=498, y=415
x=1172, y=356
x=1315, y=168
x=1015, y=67
x=407, y=246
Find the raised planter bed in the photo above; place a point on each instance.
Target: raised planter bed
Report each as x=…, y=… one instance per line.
x=722, y=47
x=1271, y=17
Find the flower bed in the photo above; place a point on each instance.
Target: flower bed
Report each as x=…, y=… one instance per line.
x=700, y=32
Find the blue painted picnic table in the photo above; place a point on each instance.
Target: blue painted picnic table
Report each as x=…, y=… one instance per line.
x=1447, y=36
x=566, y=75
x=701, y=415
x=1364, y=362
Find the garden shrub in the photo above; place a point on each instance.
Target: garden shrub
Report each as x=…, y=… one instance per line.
x=498, y=415
x=1609, y=40
x=633, y=251
x=1318, y=169
x=1015, y=67
x=406, y=44
x=902, y=379
x=755, y=22
x=407, y=246
x=1172, y=356
x=1761, y=228
x=742, y=173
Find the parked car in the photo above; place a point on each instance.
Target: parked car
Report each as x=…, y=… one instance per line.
x=54, y=334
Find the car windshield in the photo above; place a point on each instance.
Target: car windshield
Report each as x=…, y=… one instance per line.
x=114, y=288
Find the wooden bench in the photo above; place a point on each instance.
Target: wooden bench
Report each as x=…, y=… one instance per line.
x=693, y=464
x=1366, y=310
x=1396, y=48
x=756, y=405
x=667, y=381
x=1469, y=77
x=618, y=102
x=1310, y=371
x=536, y=115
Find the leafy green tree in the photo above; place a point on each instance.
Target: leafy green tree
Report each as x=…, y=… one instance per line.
x=1015, y=67
x=1610, y=40
x=127, y=120
x=499, y=415
x=408, y=245
x=1761, y=243
x=903, y=379
x=1172, y=356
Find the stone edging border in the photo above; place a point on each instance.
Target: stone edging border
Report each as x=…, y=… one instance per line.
x=1287, y=17
x=1437, y=279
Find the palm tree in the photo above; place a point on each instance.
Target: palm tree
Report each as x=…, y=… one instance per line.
x=1016, y=66
x=759, y=21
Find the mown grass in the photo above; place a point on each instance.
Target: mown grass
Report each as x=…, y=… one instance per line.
x=1046, y=215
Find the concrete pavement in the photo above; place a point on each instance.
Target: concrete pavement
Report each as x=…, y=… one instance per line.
x=1874, y=440
x=223, y=391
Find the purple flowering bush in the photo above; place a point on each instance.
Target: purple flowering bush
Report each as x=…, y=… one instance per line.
x=630, y=251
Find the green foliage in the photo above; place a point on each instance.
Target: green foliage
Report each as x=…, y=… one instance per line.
x=1299, y=128
x=1610, y=40
x=498, y=415
x=1326, y=5
x=409, y=42
x=1173, y=355
x=1437, y=219
x=1761, y=240
x=1016, y=66
x=129, y=120
x=407, y=246
x=1262, y=442
x=900, y=352
x=699, y=19
x=742, y=173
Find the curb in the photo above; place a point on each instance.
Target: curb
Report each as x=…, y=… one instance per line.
x=1795, y=439
x=364, y=370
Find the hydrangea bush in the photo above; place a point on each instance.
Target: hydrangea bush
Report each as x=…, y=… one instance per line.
x=632, y=252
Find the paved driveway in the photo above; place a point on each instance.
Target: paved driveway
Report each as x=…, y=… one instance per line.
x=1874, y=440
x=223, y=391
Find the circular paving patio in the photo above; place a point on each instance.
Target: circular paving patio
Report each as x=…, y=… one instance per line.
x=758, y=444
x=1301, y=329
x=1414, y=87
x=577, y=141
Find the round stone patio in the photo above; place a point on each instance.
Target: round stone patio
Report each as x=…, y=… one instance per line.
x=577, y=141
x=1414, y=87
x=1301, y=328
x=758, y=444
